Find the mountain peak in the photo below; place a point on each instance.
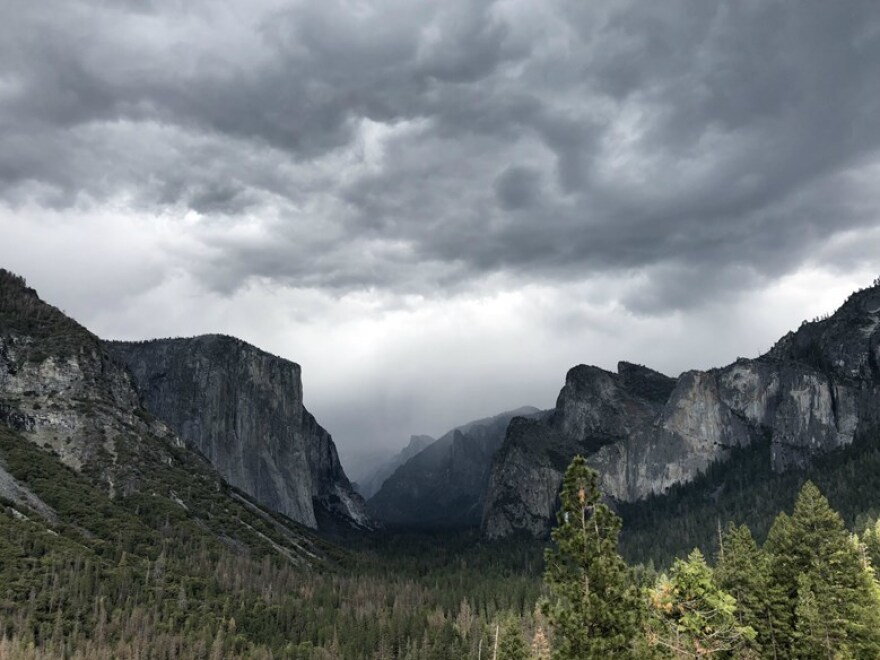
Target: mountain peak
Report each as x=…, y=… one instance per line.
x=644, y=382
x=416, y=444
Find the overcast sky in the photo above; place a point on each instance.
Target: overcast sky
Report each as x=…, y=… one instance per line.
x=437, y=208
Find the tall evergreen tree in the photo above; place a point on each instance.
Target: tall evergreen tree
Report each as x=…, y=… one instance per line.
x=825, y=600
x=810, y=639
x=511, y=645
x=743, y=570
x=871, y=539
x=595, y=608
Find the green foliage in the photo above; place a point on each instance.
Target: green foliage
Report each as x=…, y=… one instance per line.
x=85, y=511
x=691, y=616
x=810, y=592
x=511, y=645
x=595, y=607
x=392, y=604
x=871, y=540
x=825, y=600
x=743, y=571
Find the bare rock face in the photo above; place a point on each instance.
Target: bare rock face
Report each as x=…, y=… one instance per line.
x=596, y=413
x=242, y=408
x=67, y=391
x=693, y=429
x=597, y=407
x=525, y=479
x=814, y=392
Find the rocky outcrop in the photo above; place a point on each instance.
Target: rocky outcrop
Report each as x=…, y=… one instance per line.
x=61, y=389
x=814, y=392
x=242, y=408
x=525, y=478
x=445, y=483
x=597, y=407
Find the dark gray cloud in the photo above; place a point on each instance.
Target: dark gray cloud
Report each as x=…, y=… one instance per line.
x=421, y=147
x=517, y=188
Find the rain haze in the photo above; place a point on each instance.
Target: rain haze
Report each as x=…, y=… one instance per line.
x=438, y=208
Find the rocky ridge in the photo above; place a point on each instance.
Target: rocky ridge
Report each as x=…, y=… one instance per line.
x=814, y=392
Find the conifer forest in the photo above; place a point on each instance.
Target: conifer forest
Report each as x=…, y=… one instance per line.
x=143, y=583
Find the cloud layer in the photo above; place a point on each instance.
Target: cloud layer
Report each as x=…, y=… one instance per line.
x=657, y=157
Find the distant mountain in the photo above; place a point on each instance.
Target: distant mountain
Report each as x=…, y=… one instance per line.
x=443, y=485
x=372, y=482
x=816, y=391
x=242, y=409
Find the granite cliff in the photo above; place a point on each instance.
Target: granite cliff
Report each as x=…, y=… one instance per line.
x=812, y=393
x=444, y=484
x=71, y=421
x=242, y=409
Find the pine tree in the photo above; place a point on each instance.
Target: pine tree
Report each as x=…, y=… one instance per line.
x=691, y=616
x=871, y=539
x=511, y=645
x=595, y=609
x=810, y=640
x=825, y=600
x=743, y=570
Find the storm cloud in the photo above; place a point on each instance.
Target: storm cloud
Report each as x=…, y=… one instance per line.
x=633, y=162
